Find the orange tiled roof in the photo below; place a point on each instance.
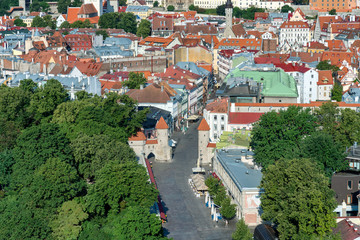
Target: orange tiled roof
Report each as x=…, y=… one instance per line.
x=93, y=20
x=204, y=126
x=211, y=145
x=218, y=106
x=156, y=41
x=161, y=124
x=206, y=38
x=325, y=77
x=239, y=42
x=336, y=45
x=294, y=24
x=140, y=136
x=72, y=14
x=337, y=57
x=152, y=141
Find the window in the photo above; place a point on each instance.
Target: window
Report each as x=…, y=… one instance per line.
x=215, y=117
x=222, y=128
x=222, y=118
x=349, y=199
x=215, y=127
x=349, y=185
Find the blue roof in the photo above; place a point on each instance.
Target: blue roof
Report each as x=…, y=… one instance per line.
x=112, y=50
x=133, y=8
x=118, y=41
x=352, y=96
x=243, y=175
x=191, y=66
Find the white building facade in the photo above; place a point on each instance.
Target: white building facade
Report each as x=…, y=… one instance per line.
x=294, y=33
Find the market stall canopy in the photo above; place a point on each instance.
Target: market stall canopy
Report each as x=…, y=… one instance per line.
x=193, y=117
x=199, y=182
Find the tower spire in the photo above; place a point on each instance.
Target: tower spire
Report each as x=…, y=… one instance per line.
x=228, y=4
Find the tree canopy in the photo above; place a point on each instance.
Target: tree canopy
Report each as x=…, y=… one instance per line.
x=135, y=80
x=278, y=135
x=337, y=92
x=242, y=231
x=286, y=9
x=144, y=28
x=297, y=199
x=170, y=8
x=332, y=11
x=125, y=21
x=66, y=171
x=325, y=65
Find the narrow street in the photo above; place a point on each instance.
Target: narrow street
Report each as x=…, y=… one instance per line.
x=188, y=218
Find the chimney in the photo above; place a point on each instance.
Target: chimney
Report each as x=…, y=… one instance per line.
x=162, y=88
x=141, y=87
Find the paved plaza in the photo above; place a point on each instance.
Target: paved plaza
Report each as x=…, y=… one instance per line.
x=188, y=218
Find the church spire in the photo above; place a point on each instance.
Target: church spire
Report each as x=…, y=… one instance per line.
x=228, y=4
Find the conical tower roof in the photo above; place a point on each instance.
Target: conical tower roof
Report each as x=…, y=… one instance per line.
x=161, y=124
x=228, y=4
x=204, y=126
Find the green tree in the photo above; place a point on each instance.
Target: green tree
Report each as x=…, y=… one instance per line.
x=28, y=86
x=192, y=7
x=155, y=4
x=38, y=22
x=220, y=195
x=144, y=29
x=53, y=183
x=6, y=163
x=250, y=12
x=170, y=8
x=220, y=10
x=49, y=21
x=213, y=185
x=35, y=6
x=325, y=65
x=13, y=105
x=348, y=131
x=332, y=12
x=136, y=223
x=242, y=231
x=122, y=3
x=328, y=116
x=44, y=7
x=46, y=99
x=67, y=224
x=322, y=149
x=94, y=230
x=297, y=199
x=92, y=153
x=117, y=185
x=278, y=135
x=19, y=22
x=80, y=95
x=286, y=9
x=63, y=5
x=76, y=3
x=8, y=134
x=65, y=24
x=135, y=80
x=227, y=210
x=237, y=12
x=336, y=92
x=109, y=20
x=103, y=33
x=33, y=147
x=127, y=22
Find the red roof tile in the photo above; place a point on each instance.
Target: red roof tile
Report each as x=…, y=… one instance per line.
x=244, y=117
x=152, y=141
x=211, y=145
x=72, y=14
x=325, y=77
x=218, y=106
x=204, y=126
x=295, y=24
x=140, y=136
x=161, y=124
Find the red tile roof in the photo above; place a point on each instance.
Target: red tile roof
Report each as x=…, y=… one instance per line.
x=316, y=45
x=325, y=77
x=211, y=145
x=151, y=141
x=218, y=106
x=347, y=231
x=151, y=94
x=140, y=136
x=294, y=24
x=72, y=14
x=204, y=126
x=337, y=57
x=87, y=9
x=161, y=124
x=244, y=117
x=261, y=15
x=334, y=45
x=292, y=67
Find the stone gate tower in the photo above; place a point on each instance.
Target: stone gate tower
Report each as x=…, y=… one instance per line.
x=205, y=149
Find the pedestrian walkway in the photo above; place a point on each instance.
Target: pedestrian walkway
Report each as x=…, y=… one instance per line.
x=188, y=217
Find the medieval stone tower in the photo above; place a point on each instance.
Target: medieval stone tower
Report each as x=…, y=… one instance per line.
x=158, y=146
x=228, y=33
x=203, y=142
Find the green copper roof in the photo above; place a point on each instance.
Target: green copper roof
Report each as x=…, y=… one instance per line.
x=276, y=83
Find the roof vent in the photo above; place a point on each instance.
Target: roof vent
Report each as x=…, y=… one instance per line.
x=247, y=172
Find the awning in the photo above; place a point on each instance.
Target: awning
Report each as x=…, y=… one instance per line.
x=193, y=117
x=199, y=182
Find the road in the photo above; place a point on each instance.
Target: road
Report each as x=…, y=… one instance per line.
x=188, y=218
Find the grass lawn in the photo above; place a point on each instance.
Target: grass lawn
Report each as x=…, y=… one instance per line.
x=228, y=139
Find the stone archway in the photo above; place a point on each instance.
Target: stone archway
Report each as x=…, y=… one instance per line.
x=151, y=156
